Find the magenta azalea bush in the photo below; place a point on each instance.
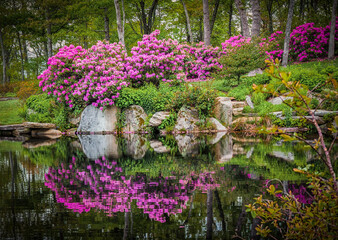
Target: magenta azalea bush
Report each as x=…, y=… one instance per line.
x=80, y=77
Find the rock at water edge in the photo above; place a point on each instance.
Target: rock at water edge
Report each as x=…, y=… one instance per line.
x=157, y=118
x=186, y=120
x=223, y=110
x=188, y=145
x=136, y=145
x=135, y=119
x=95, y=120
x=224, y=149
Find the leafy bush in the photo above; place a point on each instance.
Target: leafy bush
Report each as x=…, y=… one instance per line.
x=27, y=88
x=240, y=92
x=194, y=96
x=41, y=106
x=308, y=77
x=286, y=216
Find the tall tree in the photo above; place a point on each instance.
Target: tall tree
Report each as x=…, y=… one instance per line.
x=206, y=22
x=209, y=213
x=332, y=30
x=120, y=23
x=4, y=62
x=256, y=18
x=189, y=33
x=214, y=15
x=287, y=33
x=243, y=18
x=230, y=16
x=147, y=25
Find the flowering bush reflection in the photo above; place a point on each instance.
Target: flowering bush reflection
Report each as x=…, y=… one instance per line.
x=103, y=186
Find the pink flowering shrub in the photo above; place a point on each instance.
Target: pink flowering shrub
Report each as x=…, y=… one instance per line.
x=77, y=76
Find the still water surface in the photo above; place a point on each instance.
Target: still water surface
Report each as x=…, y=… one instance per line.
x=103, y=187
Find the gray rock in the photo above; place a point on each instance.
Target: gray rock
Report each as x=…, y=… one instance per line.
x=255, y=72
x=95, y=120
x=135, y=119
x=188, y=145
x=157, y=118
x=238, y=104
x=249, y=102
x=216, y=124
x=224, y=149
x=158, y=146
x=322, y=113
x=97, y=146
x=279, y=100
x=186, y=120
x=75, y=120
x=237, y=111
x=136, y=145
x=223, y=110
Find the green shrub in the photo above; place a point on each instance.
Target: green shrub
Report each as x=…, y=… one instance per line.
x=258, y=79
x=39, y=108
x=169, y=123
x=241, y=60
x=202, y=99
x=240, y=92
x=309, y=77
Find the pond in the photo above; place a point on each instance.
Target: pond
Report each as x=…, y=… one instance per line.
x=171, y=187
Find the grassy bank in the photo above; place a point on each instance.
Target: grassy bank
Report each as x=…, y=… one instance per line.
x=9, y=112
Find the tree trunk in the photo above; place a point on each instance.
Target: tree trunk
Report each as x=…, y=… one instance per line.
x=332, y=30
x=45, y=48
x=4, y=63
x=25, y=55
x=49, y=36
x=126, y=224
x=120, y=29
x=256, y=18
x=214, y=15
x=21, y=57
x=243, y=18
x=189, y=33
x=230, y=16
x=106, y=25
x=206, y=22
x=287, y=33
x=209, y=214
x=269, y=9
x=220, y=210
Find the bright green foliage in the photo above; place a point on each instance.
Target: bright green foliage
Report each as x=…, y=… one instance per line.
x=240, y=92
x=285, y=217
x=10, y=112
x=194, y=96
x=309, y=77
x=241, y=60
x=169, y=123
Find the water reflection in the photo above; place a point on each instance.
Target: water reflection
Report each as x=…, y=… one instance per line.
x=165, y=188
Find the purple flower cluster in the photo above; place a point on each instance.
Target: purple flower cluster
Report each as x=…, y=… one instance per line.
x=77, y=76
x=103, y=186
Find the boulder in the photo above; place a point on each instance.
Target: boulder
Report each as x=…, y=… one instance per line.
x=95, y=120
x=238, y=104
x=244, y=120
x=255, y=72
x=136, y=145
x=135, y=119
x=46, y=133
x=158, y=146
x=75, y=120
x=97, y=146
x=279, y=100
x=223, y=110
x=157, y=118
x=249, y=102
x=216, y=125
x=186, y=120
x=224, y=149
x=38, y=125
x=188, y=145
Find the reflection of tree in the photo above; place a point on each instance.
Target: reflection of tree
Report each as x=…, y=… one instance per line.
x=103, y=186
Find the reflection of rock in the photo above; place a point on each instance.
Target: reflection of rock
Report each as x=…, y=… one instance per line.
x=157, y=118
x=186, y=120
x=249, y=153
x=135, y=119
x=238, y=149
x=223, y=110
x=248, y=140
x=96, y=146
x=188, y=145
x=282, y=155
x=136, y=145
x=224, y=149
x=214, y=138
x=159, y=147
x=95, y=120
x=46, y=133
x=75, y=120
x=34, y=143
